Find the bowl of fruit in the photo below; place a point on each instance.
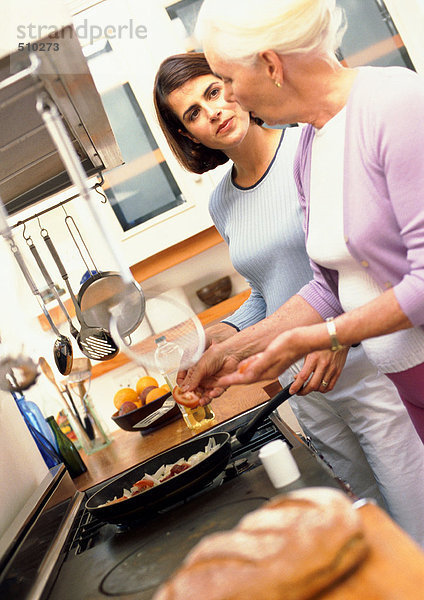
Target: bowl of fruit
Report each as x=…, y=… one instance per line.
x=134, y=405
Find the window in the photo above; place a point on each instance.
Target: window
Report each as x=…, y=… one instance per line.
x=143, y=187
x=371, y=37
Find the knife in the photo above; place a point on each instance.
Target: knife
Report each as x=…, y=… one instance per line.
x=154, y=416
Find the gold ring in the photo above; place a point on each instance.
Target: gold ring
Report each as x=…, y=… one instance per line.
x=324, y=383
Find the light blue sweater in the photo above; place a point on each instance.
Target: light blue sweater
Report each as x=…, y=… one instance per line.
x=262, y=226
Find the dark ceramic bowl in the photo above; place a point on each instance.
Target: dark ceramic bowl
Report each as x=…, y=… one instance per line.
x=128, y=420
x=215, y=292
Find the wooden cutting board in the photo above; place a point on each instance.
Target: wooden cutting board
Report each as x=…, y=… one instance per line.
x=394, y=569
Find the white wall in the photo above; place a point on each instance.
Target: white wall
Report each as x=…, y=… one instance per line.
x=408, y=17
x=22, y=467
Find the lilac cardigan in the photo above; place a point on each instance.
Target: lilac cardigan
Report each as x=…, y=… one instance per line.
x=383, y=189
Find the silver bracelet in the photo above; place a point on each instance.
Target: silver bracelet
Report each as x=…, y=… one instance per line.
x=331, y=328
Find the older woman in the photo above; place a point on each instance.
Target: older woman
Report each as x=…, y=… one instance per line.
x=360, y=177
x=255, y=208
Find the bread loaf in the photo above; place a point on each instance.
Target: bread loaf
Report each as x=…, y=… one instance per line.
x=290, y=549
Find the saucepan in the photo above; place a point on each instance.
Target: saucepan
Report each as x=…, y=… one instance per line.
x=179, y=486
x=102, y=290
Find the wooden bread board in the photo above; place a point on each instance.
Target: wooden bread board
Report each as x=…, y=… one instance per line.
x=393, y=570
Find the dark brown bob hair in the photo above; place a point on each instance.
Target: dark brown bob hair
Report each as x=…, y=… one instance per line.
x=173, y=73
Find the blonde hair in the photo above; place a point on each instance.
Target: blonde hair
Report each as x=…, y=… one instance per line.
x=240, y=29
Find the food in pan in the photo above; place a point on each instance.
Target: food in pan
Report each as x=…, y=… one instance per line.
x=293, y=547
x=189, y=399
x=164, y=473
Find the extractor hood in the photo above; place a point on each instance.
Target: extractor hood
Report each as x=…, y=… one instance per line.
x=30, y=167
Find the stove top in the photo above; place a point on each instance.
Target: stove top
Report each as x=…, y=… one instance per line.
x=102, y=560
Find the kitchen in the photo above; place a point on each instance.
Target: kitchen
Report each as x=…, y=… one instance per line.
x=184, y=221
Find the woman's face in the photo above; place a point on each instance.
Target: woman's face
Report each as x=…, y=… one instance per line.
x=207, y=116
x=253, y=87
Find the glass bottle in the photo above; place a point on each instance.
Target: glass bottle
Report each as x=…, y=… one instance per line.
x=168, y=358
x=70, y=455
x=40, y=431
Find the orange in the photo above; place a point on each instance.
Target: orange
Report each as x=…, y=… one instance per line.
x=125, y=394
x=155, y=394
x=144, y=382
x=165, y=388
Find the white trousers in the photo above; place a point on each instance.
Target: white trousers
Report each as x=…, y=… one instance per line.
x=363, y=430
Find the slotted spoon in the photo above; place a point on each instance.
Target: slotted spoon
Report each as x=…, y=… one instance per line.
x=95, y=342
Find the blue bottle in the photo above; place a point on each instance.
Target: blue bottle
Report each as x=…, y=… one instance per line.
x=39, y=429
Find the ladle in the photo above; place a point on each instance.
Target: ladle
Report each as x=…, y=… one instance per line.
x=50, y=284
x=62, y=349
x=24, y=370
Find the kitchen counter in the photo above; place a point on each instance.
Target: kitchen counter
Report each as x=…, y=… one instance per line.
x=128, y=449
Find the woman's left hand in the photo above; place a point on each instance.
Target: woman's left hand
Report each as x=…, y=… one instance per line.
x=286, y=349
x=283, y=351
x=322, y=368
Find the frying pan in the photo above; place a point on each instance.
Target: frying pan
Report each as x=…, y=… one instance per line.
x=181, y=485
x=169, y=491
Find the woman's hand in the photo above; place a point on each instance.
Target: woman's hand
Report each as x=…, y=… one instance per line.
x=203, y=376
x=323, y=367
x=282, y=352
x=214, y=335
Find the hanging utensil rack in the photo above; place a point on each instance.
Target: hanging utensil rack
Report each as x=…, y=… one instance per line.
x=96, y=187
